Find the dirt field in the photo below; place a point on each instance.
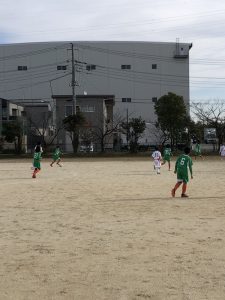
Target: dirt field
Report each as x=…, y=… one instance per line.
x=109, y=229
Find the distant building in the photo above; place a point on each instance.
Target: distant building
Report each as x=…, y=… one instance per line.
x=210, y=136
x=97, y=109
x=136, y=73
x=10, y=112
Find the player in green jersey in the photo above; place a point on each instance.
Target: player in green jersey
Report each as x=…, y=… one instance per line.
x=37, y=161
x=167, y=155
x=183, y=163
x=197, y=150
x=56, y=157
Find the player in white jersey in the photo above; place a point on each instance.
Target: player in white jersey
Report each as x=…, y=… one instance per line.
x=157, y=159
x=222, y=151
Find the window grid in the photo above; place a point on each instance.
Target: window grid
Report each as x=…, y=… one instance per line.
x=87, y=108
x=90, y=67
x=22, y=68
x=126, y=99
x=61, y=68
x=125, y=67
x=68, y=110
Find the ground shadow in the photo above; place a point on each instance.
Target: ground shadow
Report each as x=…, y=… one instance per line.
x=164, y=198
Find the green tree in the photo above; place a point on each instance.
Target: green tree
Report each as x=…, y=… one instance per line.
x=171, y=116
x=1, y=143
x=134, y=130
x=73, y=125
x=13, y=133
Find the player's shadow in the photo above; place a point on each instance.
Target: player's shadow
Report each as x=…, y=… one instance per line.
x=209, y=171
x=15, y=178
x=168, y=198
x=206, y=197
x=138, y=174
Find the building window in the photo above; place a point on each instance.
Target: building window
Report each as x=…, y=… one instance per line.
x=61, y=68
x=4, y=113
x=126, y=99
x=125, y=67
x=14, y=112
x=90, y=67
x=154, y=66
x=68, y=110
x=87, y=108
x=154, y=99
x=22, y=68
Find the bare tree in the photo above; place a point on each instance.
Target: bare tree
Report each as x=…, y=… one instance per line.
x=42, y=127
x=87, y=137
x=104, y=130
x=160, y=136
x=212, y=115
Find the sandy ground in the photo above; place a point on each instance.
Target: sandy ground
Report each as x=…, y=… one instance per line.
x=109, y=229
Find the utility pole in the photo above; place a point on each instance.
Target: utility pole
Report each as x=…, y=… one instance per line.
x=73, y=83
x=127, y=130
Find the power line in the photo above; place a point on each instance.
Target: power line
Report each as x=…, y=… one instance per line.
x=35, y=84
x=145, y=56
x=157, y=74
x=37, y=67
x=133, y=23
x=27, y=77
x=114, y=52
x=116, y=73
x=31, y=53
x=144, y=80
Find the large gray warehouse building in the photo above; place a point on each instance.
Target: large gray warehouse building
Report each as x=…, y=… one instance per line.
x=136, y=73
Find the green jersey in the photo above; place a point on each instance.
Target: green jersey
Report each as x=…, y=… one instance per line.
x=37, y=160
x=183, y=163
x=56, y=154
x=197, y=149
x=167, y=154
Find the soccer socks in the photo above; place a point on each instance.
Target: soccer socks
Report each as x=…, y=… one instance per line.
x=184, y=188
x=177, y=186
x=35, y=172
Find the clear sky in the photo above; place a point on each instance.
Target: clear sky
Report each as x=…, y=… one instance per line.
x=200, y=22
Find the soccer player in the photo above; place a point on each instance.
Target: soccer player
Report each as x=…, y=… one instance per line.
x=183, y=163
x=38, y=145
x=56, y=157
x=157, y=159
x=167, y=155
x=222, y=151
x=197, y=150
x=37, y=161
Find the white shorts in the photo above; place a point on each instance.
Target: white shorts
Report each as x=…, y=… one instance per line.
x=157, y=163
